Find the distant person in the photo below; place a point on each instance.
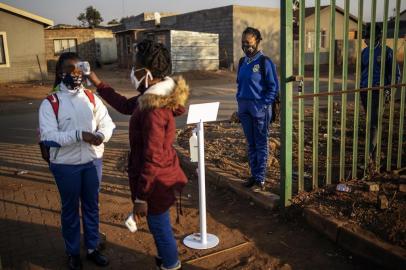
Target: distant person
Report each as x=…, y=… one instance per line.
x=74, y=124
x=154, y=171
x=258, y=89
x=376, y=79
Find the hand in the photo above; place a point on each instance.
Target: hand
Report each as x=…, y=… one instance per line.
x=94, y=79
x=88, y=137
x=140, y=210
x=98, y=140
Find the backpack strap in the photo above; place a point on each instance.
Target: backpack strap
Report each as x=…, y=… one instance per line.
x=262, y=64
x=54, y=100
x=90, y=95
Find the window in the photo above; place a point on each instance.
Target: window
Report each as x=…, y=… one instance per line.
x=323, y=39
x=128, y=44
x=4, y=61
x=64, y=45
x=311, y=37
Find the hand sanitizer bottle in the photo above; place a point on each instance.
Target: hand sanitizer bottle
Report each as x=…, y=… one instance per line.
x=194, y=153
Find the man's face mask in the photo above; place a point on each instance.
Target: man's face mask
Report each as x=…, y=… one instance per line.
x=134, y=80
x=249, y=45
x=249, y=50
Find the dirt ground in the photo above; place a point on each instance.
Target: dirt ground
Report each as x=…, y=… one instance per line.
x=119, y=78
x=226, y=148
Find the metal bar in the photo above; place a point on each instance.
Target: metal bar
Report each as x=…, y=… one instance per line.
x=339, y=93
x=344, y=87
x=301, y=92
x=370, y=80
x=330, y=89
x=402, y=111
x=316, y=76
x=357, y=95
x=286, y=101
x=393, y=90
x=382, y=83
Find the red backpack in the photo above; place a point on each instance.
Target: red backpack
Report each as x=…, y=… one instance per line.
x=53, y=99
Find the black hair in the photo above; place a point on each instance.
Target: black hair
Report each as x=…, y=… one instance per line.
x=155, y=57
x=253, y=31
x=378, y=32
x=59, y=64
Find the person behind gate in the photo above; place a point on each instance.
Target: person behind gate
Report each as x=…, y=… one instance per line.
x=74, y=124
x=257, y=91
x=376, y=78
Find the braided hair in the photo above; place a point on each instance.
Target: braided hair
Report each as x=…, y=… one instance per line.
x=254, y=32
x=59, y=64
x=155, y=57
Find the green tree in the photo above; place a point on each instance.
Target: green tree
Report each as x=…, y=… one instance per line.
x=91, y=17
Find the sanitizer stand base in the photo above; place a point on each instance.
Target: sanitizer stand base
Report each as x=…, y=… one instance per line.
x=194, y=241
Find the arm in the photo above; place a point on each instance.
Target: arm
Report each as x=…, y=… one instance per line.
x=50, y=134
x=105, y=125
x=117, y=101
x=153, y=136
x=272, y=84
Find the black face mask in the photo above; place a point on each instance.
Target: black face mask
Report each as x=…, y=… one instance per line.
x=249, y=50
x=72, y=82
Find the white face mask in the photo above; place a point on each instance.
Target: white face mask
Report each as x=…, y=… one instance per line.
x=137, y=82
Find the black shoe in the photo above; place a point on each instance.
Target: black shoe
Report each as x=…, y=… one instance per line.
x=74, y=262
x=250, y=182
x=102, y=241
x=158, y=263
x=97, y=258
x=258, y=186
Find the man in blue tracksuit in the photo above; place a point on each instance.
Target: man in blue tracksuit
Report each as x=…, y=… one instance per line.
x=376, y=78
x=258, y=89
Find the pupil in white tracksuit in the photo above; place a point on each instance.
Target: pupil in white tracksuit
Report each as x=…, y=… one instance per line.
x=75, y=133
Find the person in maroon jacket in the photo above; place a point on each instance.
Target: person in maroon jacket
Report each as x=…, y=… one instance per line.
x=153, y=168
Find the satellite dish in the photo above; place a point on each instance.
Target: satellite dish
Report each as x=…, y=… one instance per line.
x=157, y=18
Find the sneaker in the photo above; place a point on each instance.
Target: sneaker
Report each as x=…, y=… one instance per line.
x=97, y=258
x=250, y=182
x=177, y=267
x=74, y=262
x=258, y=186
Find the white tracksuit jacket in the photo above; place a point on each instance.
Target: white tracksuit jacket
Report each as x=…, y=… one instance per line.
x=76, y=114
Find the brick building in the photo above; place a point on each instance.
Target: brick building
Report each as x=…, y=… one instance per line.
x=22, y=48
x=96, y=45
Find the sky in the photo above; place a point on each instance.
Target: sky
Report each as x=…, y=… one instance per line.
x=62, y=11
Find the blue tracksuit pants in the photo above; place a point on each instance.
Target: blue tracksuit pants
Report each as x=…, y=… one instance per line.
x=79, y=184
x=255, y=117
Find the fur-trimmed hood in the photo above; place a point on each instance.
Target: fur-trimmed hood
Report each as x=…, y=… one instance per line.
x=170, y=93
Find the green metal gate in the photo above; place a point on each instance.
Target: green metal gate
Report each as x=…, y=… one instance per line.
x=293, y=114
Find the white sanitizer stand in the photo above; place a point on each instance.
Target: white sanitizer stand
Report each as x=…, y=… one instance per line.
x=198, y=114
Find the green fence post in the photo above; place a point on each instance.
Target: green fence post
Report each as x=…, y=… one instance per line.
x=393, y=90
x=301, y=101
x=402, y=111
x=316, y=91
x=370, y=77
x=330, y=89
x=355, y=141
x=344, y=87
x=382, y=83
x=286, y=101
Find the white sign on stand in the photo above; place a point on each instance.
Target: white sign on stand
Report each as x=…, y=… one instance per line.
x=198, y=114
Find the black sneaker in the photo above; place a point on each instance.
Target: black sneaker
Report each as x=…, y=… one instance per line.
x=97, y=258
x=258, y=186
x=74, y=262
x=102, y=241
x=250, y=182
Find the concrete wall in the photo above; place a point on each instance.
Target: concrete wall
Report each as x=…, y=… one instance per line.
x=107, y=44
x=25, y=40
x=125, y=59
x=267, y=20
x=86, y=45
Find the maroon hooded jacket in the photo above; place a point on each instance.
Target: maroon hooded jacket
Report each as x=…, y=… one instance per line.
x=153, y=166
